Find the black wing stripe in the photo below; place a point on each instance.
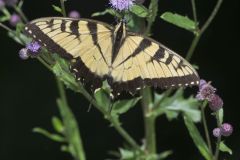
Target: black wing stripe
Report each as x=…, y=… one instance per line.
x=74, y=28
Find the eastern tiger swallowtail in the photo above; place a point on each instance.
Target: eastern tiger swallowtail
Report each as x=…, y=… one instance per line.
x=128, y=61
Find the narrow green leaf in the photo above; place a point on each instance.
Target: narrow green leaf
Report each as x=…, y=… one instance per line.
x=197, y=138
x=126, y=154
x=123, y=106
x=180, y=21
x=173, y=105
x=102, y=98
x=139, y=10
x=57, y=8
x=224, y=148
x=71, y=131
x=54, y=137
x=107, y=11
x=4, y=18
x=221, y=114
x=57, y=124
x=164, y=154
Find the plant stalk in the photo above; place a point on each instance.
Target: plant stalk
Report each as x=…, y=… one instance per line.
x=216, y=155
x=63, y=8
x=203, y=29
x=206, y=131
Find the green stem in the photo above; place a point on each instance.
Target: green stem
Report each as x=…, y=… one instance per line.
x=219, y=138
x=113, y=121
x=205, y=126
x=203, y=29
x=149, y=121
x=147, y=99
x=194, y=11
x=63, y=8
x=6, y=27
x=20, y=12
x=153, y=9
x=72, y=132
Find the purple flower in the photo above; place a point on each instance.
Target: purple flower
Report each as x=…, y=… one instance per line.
x=33, y=48
x=206, y=91
x=74, y=14
x=217, y=132
x=121, y=4
x=14, y=20
x=226, y=129
x=23, y=54
x=10, y=2
x=2, y=4
x=215, y=102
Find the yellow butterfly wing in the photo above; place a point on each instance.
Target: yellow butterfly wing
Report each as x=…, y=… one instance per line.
x=87, y=41
x=143, y=61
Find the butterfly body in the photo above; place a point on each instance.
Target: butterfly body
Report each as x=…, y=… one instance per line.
x=101, y=52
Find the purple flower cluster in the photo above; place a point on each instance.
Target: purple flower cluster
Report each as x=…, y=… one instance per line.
x=226, y=130
x=121, y=5
x=15, y=19
x=74, y=14
x=207, y=92
x=32, y=49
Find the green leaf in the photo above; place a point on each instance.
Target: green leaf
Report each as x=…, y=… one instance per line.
x=126, y=154
x=180, y=21
x=173, y=105
x=164, y=154
x=61, y=70
x=197, y=138
x=71, y=131
x=139, y=10
x=102, y=98
x=54, y=137
x=221, y=114
x=123, y=106
x=107, y=11
x=224, y=148
x=57, y=124
x=56, y=8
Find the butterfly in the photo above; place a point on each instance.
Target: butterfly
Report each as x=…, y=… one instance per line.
x=98, y=51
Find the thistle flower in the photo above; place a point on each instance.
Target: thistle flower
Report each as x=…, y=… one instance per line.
x=10, y=2
x=74, y=14
x=226, y=129
x=217, y=132
x=2, y=4
x=14, y=20
x=206, y=91
x=215, y=102
x=121, y=5
x=23, y=54
x=33, y=48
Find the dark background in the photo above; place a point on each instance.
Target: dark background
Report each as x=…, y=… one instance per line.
x=28, y=90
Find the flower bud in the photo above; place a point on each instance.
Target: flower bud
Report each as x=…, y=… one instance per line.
x=74, y=14
x=215, y=102
x=226, y=129
x=217, y=132
x=23, y=54
x=14, y=20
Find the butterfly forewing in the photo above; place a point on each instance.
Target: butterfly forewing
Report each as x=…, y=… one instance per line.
x=87, y=41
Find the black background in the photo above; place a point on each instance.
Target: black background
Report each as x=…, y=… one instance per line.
x=28, y=90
